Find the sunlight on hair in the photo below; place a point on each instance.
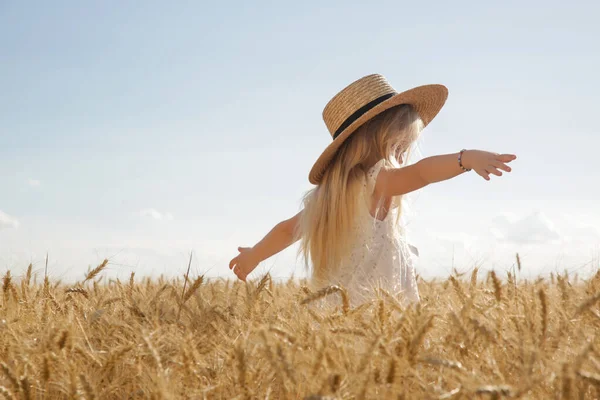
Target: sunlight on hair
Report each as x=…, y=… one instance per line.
x=332, y=208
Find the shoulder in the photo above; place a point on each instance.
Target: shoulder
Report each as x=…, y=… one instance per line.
x=396, y=181
x=372, y=173
x=374, y=170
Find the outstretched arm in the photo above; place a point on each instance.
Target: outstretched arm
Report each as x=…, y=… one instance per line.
x=398, y=181
x=280, y=237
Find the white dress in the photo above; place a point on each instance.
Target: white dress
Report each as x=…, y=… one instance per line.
x=381, y=259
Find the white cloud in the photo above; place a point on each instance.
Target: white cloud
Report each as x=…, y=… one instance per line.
x=156, y=215
x=34, y=182
x=6, y=221
x=534, y=228
x=578, y=229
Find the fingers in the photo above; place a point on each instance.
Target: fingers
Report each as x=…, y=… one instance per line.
x=506, y=157
x=484, y=174
x=496, y=164
x=241, y=274
x=239, y=270
x=240, y=263
x=501, y=166
x=493, y=170
x=235, y=260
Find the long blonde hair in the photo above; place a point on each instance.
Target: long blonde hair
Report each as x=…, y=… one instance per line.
x=331, y=209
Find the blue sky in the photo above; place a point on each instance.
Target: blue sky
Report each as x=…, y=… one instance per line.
x=141, y=134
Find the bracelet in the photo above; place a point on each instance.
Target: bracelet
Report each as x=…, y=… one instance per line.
x=460, y=160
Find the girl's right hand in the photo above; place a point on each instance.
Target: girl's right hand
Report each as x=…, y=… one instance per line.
x=486, y=163
x=244, y=263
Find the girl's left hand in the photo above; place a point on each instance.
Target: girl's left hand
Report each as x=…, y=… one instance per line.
x=486, y=163
x=244, y=263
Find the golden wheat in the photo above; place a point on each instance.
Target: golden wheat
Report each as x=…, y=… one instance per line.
x=265, y=339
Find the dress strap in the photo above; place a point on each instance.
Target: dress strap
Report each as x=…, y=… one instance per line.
x=372, y=174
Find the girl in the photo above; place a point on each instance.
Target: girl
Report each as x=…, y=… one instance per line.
x=349, y=227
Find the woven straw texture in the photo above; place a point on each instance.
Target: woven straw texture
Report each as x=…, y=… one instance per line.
x=427, y=100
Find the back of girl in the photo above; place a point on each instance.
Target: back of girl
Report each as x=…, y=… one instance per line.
x=349, y=229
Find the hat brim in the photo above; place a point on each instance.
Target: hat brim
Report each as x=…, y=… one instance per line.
x=427, y=100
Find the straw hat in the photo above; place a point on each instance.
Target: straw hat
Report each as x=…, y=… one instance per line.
x=364, y=99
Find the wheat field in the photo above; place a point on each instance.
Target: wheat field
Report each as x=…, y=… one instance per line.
x=478, y=335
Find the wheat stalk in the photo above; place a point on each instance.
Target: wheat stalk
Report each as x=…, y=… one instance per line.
x=94, y=272
x=326, y=292
x=497, y=286
x=503, y=390
x=445, y=363
x=567, y=381
x=590, y=377
x=28, y=274
x=349, y=331
x=46, y=369
x=6, y=284
x=474, y=279
x=588, y=303
x=25, y=387
x=242, y=371
x=458, y=289
x=12, y=378
x=287, y=335
x=187, y=274
x=87, y=388
x=78, y=290
x=527, y=341
x=62, y=341
x=285, y=364
x=131, y=284
x=153, y=352
x=197, y=282
x=418, y=337
x=544, y=312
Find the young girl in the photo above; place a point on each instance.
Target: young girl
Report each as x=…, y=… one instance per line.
x=349, y=227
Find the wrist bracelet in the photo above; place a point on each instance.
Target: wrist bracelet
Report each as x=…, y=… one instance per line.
x=460, y=160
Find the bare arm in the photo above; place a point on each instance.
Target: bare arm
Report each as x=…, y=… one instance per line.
x=399, y=181
x=279, y=238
